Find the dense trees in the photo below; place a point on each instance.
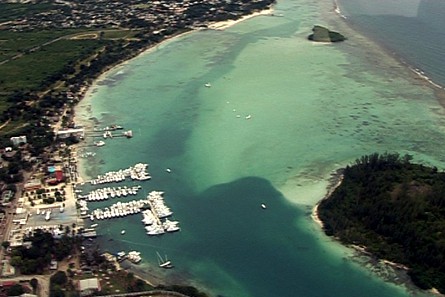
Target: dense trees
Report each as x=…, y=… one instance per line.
x=34, y=259
x=394, y=208
x=57, y=282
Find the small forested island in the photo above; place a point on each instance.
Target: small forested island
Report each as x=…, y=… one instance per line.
x=396, y=210
x=323, y=34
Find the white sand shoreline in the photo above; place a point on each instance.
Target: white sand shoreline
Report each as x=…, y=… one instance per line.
x=86, y=93
x=229, y=23
x=314, y=214
x=82, y=111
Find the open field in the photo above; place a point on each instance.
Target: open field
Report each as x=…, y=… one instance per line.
x=29, y=70
x=30, y=60
x=14, y=43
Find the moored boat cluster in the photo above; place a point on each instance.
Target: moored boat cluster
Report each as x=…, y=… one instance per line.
x=119, y=209
x=153, y=209
x=158, y=210
x=110, y=192
x=136, y=172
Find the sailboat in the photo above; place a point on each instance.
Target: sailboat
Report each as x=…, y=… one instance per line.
x=164, y=263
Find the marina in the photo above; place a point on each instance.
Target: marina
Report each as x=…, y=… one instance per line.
x=153, y=208
x=110, y=192
x=137, y=172
x=154, y=218
x=118, y=210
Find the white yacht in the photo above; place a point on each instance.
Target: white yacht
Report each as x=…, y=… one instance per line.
x=134, y=257
x=171, y=226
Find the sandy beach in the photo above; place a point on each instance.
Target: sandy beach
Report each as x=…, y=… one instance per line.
x=226, y=24
x=83, y=117
x=336, y=179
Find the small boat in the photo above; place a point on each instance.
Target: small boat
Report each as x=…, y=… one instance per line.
x=207, y=85
x=123, y=232
x=248, y=117
x=107, y=134
x=128, y=133
x=94, y=225
x=168, y=170
x=164, y=263
x=99, y=143
x=263, y=206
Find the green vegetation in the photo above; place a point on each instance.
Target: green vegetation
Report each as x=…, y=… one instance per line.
x=15, y=290
x=32, y=84
x=322, y=34
x=44, y=247
x=13, y=43
x=37, y=69
x=395, y=209
x=186, y=290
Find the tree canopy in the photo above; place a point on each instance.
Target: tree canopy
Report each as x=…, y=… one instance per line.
x=395, y=209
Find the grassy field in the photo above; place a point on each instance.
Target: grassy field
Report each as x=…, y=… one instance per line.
x=27, y=59
x=14, y=43
x=28, y=71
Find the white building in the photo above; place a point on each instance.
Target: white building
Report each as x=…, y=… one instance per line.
x=17, y=140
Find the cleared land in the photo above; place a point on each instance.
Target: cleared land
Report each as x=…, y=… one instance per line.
x=30, y=60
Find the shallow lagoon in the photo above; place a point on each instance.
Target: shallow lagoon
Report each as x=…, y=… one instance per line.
x=313, y=108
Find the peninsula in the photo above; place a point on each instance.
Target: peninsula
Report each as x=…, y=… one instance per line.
x=396, y=211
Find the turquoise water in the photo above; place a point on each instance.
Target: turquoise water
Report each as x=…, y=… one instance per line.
x=313, y=108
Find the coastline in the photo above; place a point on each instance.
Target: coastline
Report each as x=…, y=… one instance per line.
x=418, y=75
x=335, y=181
x=82, y=117
x=229, y=23
x=82, y=109
x=363, y=257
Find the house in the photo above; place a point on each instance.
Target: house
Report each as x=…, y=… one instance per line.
x=33, y=184
x=17, y=140
x=7, y=284
x=89, y=286
x=7, y=196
